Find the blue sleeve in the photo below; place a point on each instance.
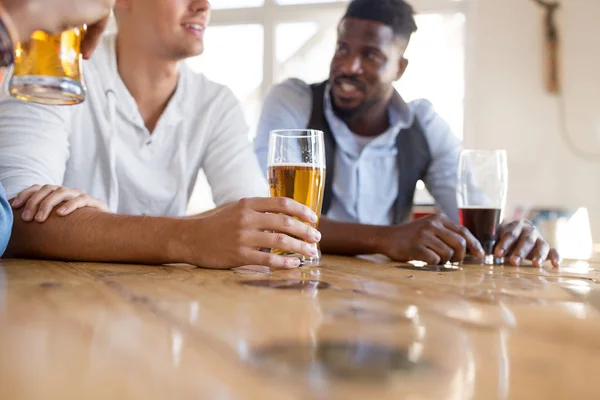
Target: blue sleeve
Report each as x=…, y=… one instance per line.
x=288, y=105
x=6, y=221
x=445, y=148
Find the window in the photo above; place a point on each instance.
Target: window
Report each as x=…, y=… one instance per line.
x=233, y=57
x=304, y=50
x=436, y=66
x=253, y=44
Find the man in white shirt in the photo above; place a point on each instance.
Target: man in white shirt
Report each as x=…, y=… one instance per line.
x=147, y=128
x=18, y=19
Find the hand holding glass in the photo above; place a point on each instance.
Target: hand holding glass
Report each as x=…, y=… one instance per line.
x=296, y=169
x=481, y=195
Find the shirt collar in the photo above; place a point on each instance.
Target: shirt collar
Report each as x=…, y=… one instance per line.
x=399, y=113
x=127, y=105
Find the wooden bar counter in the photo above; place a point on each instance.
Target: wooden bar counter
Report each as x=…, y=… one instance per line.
x=351, y=329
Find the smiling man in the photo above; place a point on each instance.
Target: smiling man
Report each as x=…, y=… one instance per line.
x=379, y=146
x=148, y=126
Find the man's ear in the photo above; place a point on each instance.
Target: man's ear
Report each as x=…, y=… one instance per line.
x=402, y=65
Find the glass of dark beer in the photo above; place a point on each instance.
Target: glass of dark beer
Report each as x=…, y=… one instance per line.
x=296, y=169
x=481, y=195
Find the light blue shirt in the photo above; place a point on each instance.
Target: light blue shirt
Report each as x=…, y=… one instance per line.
x=6, y=220
x=366, y=176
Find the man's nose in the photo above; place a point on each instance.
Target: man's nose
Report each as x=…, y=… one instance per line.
x=197, y=6
x=352, y=65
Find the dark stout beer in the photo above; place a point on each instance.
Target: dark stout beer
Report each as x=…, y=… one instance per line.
x=483, y=224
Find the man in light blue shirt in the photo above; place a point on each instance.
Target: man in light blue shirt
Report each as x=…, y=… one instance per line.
x=363, y=163
x=379, y=146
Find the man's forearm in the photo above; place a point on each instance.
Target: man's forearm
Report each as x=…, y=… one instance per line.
x=350, y=238
x=208, y=213
x=92, y=235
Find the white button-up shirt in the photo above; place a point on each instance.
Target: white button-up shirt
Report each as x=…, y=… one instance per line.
x=103, y=147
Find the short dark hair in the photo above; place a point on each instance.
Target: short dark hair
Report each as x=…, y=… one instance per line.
x=397, y=14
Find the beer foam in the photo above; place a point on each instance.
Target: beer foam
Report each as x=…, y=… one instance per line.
x=479, y=208
x=304, y=165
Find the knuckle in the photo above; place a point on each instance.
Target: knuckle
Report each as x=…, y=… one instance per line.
x=28, y=194
x=423, y=235
x=430, y=223
x=449, y=254
x=281, y=240
x=245, y=217
x=442, y=218
x=304, y=247
x=512, y=235
x=510, y=227
x=46, y=204
x=525, y=250
x=284, y=202
x=241, y=238
x=271, y=260
x=244, y=203
x=21, y=197
x=238, y=257
x=308, y=230
x=241, y=253
x=287, y=221
x=420, y=250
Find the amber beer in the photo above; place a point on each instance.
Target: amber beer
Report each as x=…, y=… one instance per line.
x=301, y=182
x=48, y=70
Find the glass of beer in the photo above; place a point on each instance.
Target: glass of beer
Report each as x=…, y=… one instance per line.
x=481, y=195
x=47, y=69
x=296, y=169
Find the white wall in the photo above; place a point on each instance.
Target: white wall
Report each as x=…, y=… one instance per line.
x=507, y=105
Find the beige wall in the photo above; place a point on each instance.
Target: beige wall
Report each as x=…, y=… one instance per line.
x=508, y=107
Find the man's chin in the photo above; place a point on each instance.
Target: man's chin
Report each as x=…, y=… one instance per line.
x=189, y=52
x=347, y=113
